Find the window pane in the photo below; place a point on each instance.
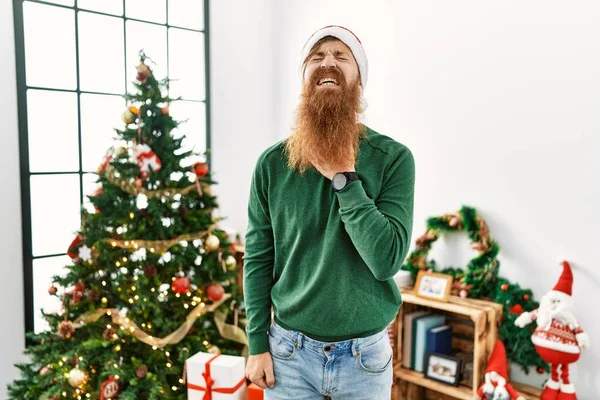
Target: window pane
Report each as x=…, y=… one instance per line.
x=90, y=184
x=55, y=212
x=147, y=10
x=52, y=120
x=187, y=13
x=100, y=114
x=107, y=6
x=101, y=53
x=49, y=46
x=194, y=128
x=43, y=271
x=63, y=2
x=153, y=40
x=186, y=64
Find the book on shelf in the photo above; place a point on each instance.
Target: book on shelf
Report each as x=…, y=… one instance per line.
x=420, y=329
x=439, y=340
x=408, y=338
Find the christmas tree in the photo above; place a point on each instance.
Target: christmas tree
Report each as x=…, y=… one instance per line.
x=153, y=278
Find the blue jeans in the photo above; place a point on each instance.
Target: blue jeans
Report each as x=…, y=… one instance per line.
x=308, y=369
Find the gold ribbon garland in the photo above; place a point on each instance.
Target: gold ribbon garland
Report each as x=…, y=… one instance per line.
x=158, y=245
x=227, y=331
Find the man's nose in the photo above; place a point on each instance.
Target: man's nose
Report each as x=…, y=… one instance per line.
x=328, y=61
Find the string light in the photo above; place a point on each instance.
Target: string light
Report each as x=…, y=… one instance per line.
x=103, y=283
x=118, y=264
x=133, y=288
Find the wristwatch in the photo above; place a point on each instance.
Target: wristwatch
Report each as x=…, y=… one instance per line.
x=341, y=179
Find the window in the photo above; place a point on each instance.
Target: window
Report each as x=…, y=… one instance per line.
x=75, y=59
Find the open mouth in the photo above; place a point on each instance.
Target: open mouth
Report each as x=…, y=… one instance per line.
x=328, y=82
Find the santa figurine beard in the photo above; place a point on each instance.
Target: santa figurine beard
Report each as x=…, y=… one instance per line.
x=496, y=385
x=558, y=338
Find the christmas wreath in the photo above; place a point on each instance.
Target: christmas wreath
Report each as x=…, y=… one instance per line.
x=480, y=279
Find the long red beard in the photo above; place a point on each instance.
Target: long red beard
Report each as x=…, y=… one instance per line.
x=326, y=130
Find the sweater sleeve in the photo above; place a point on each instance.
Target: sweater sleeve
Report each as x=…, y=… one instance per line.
x=381, y=229
x=258, y=264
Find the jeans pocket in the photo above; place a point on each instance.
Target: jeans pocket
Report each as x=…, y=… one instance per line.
x=376, y=357
x=280, y=346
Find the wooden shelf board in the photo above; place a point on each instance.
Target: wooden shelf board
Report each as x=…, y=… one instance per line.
x=460, y=392
x=451, y=306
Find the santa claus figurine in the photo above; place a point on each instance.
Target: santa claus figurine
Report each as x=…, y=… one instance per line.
x=496, y=385
x=558, y=337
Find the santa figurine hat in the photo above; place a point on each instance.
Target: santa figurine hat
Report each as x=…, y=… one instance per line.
x=563, y=290
x=497, y=361
x=349, y=39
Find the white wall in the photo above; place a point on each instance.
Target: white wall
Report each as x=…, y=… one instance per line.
x=497, y=100
x=243, y=98
x=12, y=337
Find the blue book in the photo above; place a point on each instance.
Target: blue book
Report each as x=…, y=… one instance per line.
x=422, y=326
x=439, y=340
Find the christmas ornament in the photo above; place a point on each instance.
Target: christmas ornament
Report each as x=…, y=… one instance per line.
x=73, y=250
x=128, y=117
x=150, y=271
x=110, y=333
x=104, y=164
x=215, y=291
x=164, y=110
x=181, y=285
x=212, y=242
x=93, y=294
x=85, y=253
x=231, y=262
x=109, y=389
x=141, y=372
x=463, y=293
x=143, y=72
x=504, y=287
x=45, y=369
x=540, y=370
x=76, y=377
x=52, y=290
x=558, y=338
x=496, y=385
x=201, y=169
x=66, y=329
x=516, y=309
x=138, y=183
x=147, y=159
x=526, y=297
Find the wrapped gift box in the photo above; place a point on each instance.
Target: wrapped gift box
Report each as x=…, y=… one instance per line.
x=221, y=375
x=255, y=392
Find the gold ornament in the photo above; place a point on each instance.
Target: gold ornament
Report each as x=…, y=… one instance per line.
x=128, y=117
x=214, y=349
x=231, y=263
x=212, y=242
x=77, y=377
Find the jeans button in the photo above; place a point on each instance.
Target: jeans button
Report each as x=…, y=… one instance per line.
x=327, y=348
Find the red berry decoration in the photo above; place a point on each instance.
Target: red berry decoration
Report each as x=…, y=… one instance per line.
x=516, y=309
x=540, y=370
x=526, y=296
x=181, y=285
x=201, y=169
x=215, y=291
x=52, y=290
x=504, y=287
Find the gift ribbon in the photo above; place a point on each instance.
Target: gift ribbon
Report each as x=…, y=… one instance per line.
x=209, y=383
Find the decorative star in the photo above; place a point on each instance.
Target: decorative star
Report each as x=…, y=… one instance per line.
x=85, y=253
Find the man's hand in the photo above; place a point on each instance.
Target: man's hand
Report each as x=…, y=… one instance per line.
x=259, y=370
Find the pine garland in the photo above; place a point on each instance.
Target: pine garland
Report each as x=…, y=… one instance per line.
x=480, y=279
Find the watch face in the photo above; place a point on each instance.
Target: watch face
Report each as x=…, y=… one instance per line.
x=339, y=181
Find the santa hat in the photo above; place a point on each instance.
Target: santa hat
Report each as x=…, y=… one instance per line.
x=497, y=361
x=349, y=39
x=563, y=290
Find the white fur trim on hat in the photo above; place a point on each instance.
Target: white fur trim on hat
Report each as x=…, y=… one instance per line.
x=349, y=39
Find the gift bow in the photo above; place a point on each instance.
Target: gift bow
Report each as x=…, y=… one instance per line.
x=209, y=383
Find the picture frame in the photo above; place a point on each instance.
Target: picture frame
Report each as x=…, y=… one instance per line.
x=443, y=368
x=430, y=285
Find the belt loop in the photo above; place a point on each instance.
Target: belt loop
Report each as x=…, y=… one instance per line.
x=354, y=343
x=299, y=339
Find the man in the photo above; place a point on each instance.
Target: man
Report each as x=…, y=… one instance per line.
x=329, y=224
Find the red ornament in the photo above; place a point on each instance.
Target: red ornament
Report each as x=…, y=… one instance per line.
x=215, y=291
x=144, y=175
x=504, y=287
x=181, y=285
x=52, y=290
x=164, y=110
x=201, y=169
x=516, y=309
x=138, y=183
x=73, y=250
x=526, y=297
x=109, y=389
x=540, y=370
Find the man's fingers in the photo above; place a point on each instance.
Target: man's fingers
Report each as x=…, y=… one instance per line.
x=260, y=382
x=269, y=375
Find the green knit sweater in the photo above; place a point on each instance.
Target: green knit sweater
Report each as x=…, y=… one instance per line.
x=324, y=260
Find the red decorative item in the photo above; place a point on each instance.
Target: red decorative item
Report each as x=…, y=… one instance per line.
x=164, y=110
x=141, y=371
x=209, y=389
x=255, y=392
x=147, y=159
x=181, y=285
x=215, y=291
x=73, y=250
x=540, y=370
x=104, y=164
x=201, y=169
x=66, y=329
x=558, y=337
x=109, y=389
x=526, y=297
x=504, y=287
x=52, y=290
x=496, y=384
x=516, y=309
